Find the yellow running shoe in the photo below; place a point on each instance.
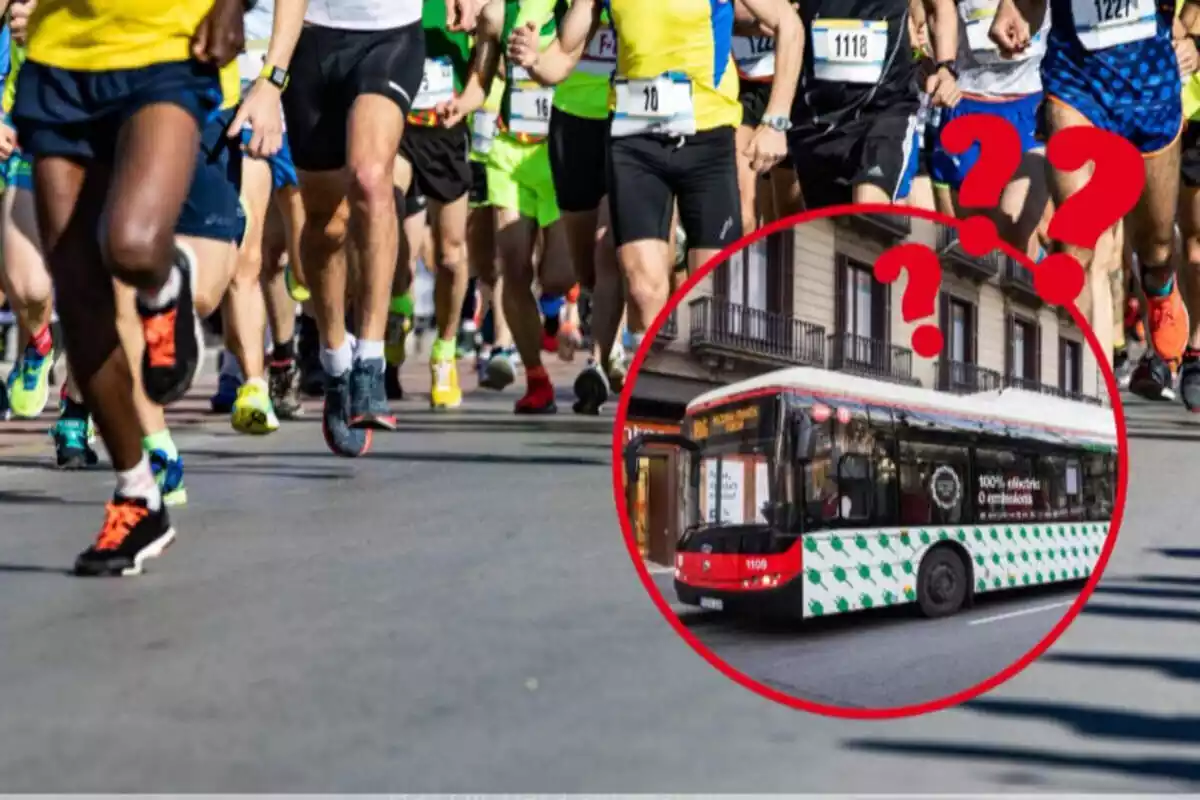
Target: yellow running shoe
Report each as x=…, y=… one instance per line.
x=252, y=411
x=395, y=347
x=29, y=383
x=296, y=290
x=444, y=392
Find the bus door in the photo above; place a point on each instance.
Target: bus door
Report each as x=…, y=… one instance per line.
x=634, y=451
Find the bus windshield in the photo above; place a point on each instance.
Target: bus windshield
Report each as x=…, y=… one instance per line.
x=738, y=464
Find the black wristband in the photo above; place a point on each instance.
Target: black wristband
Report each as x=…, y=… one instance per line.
x=949, y=67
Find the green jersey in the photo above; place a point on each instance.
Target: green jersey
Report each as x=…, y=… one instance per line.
x=525, y=106
x=585, y=92
x=447, y=58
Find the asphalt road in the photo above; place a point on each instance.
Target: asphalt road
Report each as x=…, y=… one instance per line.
x=457, y=613
x=836, y=661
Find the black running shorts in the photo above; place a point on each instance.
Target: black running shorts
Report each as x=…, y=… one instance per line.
x=578, y=160
x=754, y=96
x=414, y=201
x=479, y=194
x=1189, y=154
x=330, y=70
x=438, y=156
x=872, y=149
x=699, y=172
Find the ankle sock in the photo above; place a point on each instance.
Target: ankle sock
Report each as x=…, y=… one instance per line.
x=444, y=350
x=42, y=341
x=161, y=441
x=139, y=483
x=284, y=352
x=368, y=350
x=167, y=294
x=337, y=361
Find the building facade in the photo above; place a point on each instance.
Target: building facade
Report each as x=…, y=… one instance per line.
x=808, y=297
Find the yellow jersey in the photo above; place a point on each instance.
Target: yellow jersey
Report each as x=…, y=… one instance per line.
x=16, y=59
x=102, y=35
x=692, y=37
x=231, y=85
x=1191, y=86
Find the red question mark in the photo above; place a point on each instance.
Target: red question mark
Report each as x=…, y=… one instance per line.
x=924, y=280
x=999, y=159
x=1118, y=177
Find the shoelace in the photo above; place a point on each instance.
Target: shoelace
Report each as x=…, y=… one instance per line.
x=160, y=338
x=119, y=520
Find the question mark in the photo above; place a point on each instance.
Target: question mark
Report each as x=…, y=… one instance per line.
x=924, y=280
x=1118, y=177
x=999, y=159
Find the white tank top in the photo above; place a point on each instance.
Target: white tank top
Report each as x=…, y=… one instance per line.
x=363, y=15
x=981, y=69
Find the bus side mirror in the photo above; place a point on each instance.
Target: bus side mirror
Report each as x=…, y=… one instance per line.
x=805, y=438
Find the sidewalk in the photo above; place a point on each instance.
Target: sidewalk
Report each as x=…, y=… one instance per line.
x=31, y=435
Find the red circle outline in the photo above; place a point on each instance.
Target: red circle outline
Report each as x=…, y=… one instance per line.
x=1012, y=670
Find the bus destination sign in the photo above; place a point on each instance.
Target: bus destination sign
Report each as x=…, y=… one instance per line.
x=724, y=421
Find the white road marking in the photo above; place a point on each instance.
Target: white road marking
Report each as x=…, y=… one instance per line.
x=1021, y=613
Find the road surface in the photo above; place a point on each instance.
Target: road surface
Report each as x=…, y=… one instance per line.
x=457, y=613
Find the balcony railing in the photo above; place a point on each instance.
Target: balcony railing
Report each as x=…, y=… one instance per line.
x=978, y=268
x=669, y=331
x=1030, y=385
x=885, y=227
x=871, y=357
x=962, y=377
x=719, y=327
x=1019, y=281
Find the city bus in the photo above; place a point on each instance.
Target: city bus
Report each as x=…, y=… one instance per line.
x=812, y=493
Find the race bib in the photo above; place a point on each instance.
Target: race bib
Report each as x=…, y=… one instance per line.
x=1107, y=23
x=978, y=23
x=849, y=50
x=600, y=57
x=483, y=131
x=529, y=104
x=754, y=57
x=437, y=84
x=654, y=105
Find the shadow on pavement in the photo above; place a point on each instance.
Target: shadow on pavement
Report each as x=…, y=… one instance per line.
x=1149, y=591
x=35, y=569
x=38, y=499
x=1178, y=552
x=444, y=457
x=1090, y=722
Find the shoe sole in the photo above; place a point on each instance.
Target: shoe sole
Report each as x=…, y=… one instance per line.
x=445, y=406
x=176, y=499
x=373, y=422
x=153, y=550
x=253, y=422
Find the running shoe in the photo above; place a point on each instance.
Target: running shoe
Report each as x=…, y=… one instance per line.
x=538, y=399
x=500, y=370
x=395, y=347
x=253, y=413
x=368, y=397
x=296, y=290
x=131, y=535
x=29, y=383
x=72, y=443
x=342, y=439
x=5, y=411
x=168, y=474
x=468, y=339
x=1189, y=383
x=228, y=387
x=618, y=369
x=1152, y=378
x=444, y=393
x=1169, y=326
x=591, y=389
x=174, y=339
x=284, y=379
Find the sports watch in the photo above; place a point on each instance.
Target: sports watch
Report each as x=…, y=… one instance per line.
x=949, y=67
x=276, y=76
x=777, y=123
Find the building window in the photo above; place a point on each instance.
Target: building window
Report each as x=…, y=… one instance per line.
x=1023, y=359
x=959, y=324
x=756, y=281
x=862, y=310
x=1070, y=366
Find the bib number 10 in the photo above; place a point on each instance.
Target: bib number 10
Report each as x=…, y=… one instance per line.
x=650, y=99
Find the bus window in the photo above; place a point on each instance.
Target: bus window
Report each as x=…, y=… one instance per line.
x=1099, y=472
x=932, y=483
x=854, y=484
x=1006, y=488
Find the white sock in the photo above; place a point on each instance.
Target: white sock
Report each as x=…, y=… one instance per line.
x=167, y=294
x=366, y=350
x=139, y=483
x=337, y=361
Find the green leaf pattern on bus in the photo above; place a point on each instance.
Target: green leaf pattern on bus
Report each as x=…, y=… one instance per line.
x=882, y=566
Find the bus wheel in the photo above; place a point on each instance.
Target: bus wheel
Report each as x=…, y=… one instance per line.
x=941, y=583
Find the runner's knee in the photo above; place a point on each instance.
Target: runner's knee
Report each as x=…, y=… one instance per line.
x=136, y=253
